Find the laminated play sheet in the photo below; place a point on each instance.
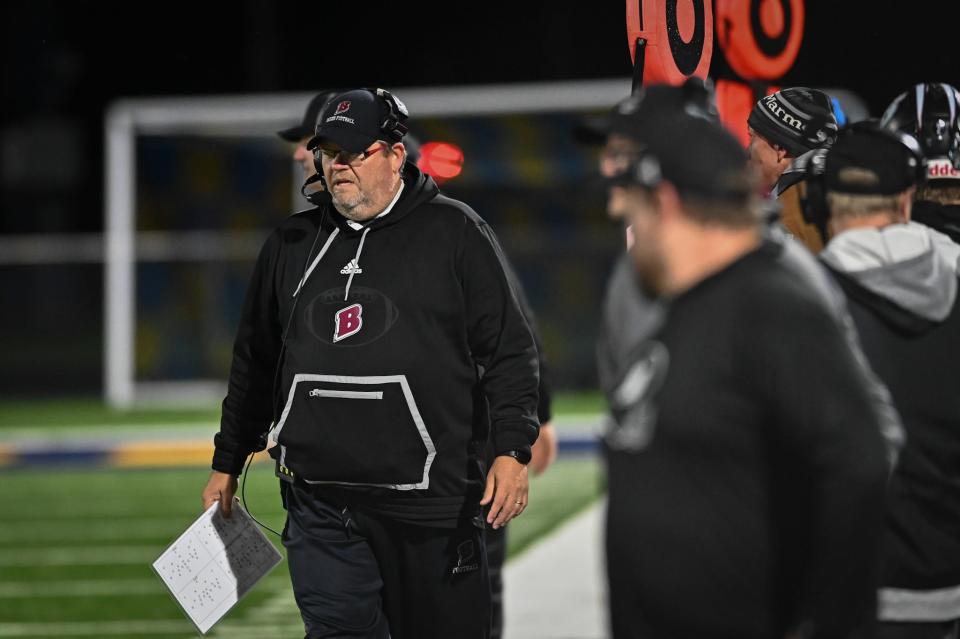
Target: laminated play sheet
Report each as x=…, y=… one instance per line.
x=212, y=565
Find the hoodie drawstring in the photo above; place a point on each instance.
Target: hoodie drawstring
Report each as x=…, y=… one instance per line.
x=356, y=261
x=316, y=261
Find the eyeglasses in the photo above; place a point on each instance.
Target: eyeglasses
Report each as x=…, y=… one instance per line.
x=349, y=158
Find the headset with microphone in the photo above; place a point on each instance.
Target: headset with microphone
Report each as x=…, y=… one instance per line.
x=393, y=126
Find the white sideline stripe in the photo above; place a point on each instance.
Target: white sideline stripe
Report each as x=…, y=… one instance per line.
x=95, y=588
x=94, y=530
x=126, y=432
x=82, y=556
x=77, y=515
x=94, y=628
x=144, y=627
x=551, y=608
x=74, y=530
x=201, y=430
x=22, y=589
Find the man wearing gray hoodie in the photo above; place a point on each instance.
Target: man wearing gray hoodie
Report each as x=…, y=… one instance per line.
x=900, y=278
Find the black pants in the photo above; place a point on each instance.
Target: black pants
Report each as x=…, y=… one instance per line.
x=925, y=630
x=361, y=576
x=496, y=555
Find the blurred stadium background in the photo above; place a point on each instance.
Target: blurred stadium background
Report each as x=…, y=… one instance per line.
x=91, y=492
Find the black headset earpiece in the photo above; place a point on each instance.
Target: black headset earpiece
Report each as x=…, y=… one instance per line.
x=645, y=170
x=813, y=204
x=394, y=125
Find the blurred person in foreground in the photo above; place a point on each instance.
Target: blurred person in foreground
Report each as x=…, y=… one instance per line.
x=631, y=314
x=741, y=503
x=364, y=327
x=900, y=278
x=930, y=112
x=790, y=130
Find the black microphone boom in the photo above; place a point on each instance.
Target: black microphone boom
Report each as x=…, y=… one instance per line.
x=317, y=198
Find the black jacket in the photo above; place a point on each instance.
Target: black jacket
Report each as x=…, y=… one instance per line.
x=379, y=369
x=742, y=503
x=901, y=283
x=630, y=316
x=942, y=217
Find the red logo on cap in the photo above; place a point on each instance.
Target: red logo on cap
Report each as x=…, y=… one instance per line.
x=343, y=107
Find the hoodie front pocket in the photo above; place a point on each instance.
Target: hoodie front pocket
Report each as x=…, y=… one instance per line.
x=349, y=430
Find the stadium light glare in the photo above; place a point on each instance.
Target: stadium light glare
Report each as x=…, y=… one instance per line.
x=441, y=160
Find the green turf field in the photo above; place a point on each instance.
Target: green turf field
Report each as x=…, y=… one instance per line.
x=76, y=546
x=91, y=412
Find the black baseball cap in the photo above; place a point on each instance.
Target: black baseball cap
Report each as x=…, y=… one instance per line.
x=356, y=119
x=697, y=155
x=308, y=126
x=695, y=96
x=870, y=160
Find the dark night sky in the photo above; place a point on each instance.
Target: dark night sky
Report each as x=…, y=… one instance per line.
x=64, y=63
x=67, y=61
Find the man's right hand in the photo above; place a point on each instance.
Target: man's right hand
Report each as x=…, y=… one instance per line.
x=221, y=487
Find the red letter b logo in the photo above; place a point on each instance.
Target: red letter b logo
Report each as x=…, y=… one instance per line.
x=349, y=322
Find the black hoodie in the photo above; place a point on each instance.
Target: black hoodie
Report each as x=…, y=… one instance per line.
x=943, y=217
x=375, y=401
x=901, y=282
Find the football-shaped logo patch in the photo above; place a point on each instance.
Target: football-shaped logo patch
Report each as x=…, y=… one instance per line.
x=364, y=318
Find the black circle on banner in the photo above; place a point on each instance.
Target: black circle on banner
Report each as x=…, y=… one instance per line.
x=772, y=47
x=686, y=55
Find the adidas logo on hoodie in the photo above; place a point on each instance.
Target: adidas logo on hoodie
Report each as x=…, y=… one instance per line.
x=352, y=267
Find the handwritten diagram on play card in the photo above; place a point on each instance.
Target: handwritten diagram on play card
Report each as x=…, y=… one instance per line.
x=212, y=565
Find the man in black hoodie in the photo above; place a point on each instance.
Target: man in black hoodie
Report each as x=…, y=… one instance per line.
x=370, y=328
x=741, y=504
x=901, y=281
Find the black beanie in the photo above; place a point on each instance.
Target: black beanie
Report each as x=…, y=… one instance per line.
x=798, y=119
